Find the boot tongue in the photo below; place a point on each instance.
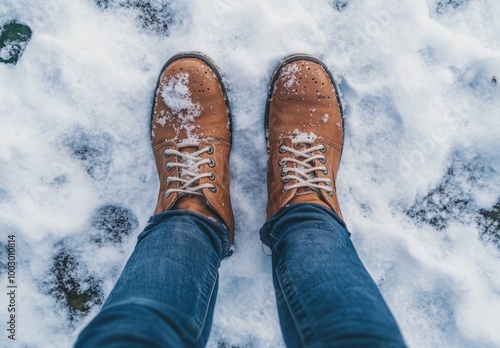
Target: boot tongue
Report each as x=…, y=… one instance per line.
x=197, y=204
x=308, y=197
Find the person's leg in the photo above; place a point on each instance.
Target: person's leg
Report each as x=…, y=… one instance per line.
x=166, y=294
x=325, y=296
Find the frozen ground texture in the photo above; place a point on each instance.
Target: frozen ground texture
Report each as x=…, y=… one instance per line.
x=418, y=183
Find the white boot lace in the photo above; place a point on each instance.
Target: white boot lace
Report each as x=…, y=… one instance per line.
x=304, y=171
x=189, y=170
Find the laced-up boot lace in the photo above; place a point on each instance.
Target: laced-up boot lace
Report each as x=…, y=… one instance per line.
x=189, y=169
x=305, y=169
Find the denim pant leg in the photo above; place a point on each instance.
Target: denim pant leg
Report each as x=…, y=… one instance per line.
x=325, y=296
x=166, y=294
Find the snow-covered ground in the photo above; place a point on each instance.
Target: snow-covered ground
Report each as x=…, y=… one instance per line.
x=420, y=170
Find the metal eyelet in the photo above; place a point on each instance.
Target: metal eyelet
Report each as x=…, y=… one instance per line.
x=169, y=167
x=283, y=173
x=212, y=176
x=281, y=162
x=325, y=172
x=286, y=180
x=213, y=189
x=210, y=150
x=283, y=190
x=167, y=155
x=212, y=163
x=167, y=194
x=330, y=194
x=323, y=150
x=281, y=149
x=323, y=160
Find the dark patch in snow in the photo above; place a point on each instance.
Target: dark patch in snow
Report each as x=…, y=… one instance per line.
x=443, y=6
x=102, y=3
x=113, y=223
x=452, y=199
x=446, y=201
x=93, y=150
x=494, y=80
x=13, y=40
x=339, y=5
x=224, y=344
x=154, y=16
x=490, y=224
x=59, y=181
x=70, y=284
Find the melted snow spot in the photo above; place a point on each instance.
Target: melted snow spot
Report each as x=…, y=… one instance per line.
x=299, y=135
x=175, y=92
x=289, y=75
x=176, y=95
x=161, y=120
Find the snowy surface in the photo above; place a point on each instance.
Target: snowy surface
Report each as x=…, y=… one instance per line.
x=421, y=158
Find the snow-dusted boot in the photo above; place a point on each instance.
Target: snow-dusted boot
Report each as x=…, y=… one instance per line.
x=191, y=138
x=305, y=135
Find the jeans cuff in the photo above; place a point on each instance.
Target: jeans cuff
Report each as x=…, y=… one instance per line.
x=218, y=227
x=272, y=229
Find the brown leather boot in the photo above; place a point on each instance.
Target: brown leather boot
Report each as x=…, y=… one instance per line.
x=305, y=134
x=191, y=138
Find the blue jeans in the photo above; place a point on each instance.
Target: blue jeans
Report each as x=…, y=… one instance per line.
x=166, y=295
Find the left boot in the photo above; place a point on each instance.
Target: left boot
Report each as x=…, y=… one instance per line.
x=191, y=138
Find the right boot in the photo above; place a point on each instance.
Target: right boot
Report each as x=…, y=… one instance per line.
x=191, y=138
x=305, y=134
